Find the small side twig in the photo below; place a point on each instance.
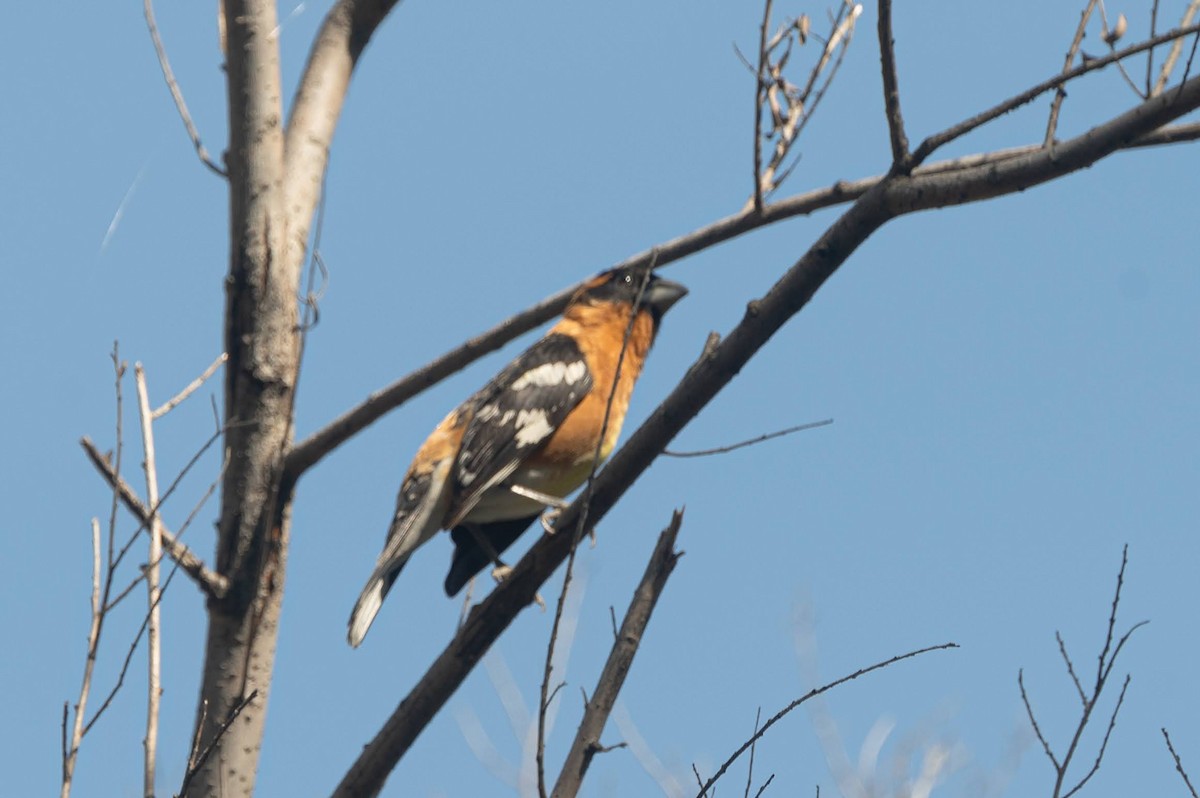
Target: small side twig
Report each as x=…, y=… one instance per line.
x=191, y=388
x=176, y=94
x=70, y=750
x=1060, y=93
x=194, y=768
x=752, y=441
x=760, y=95
x=1179, y=764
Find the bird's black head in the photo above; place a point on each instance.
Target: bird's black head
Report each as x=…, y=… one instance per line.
x=624, y=285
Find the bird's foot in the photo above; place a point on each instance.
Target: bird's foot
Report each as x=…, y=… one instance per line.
x=548, y=518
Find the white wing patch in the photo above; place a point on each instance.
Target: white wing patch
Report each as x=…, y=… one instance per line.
x=533, y=426
x=549, y=374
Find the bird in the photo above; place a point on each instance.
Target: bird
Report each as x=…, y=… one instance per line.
x=526, y=440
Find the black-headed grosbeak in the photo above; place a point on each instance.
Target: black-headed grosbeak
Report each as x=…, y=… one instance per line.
x=527, y=439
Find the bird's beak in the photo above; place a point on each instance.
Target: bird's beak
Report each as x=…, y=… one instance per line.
x=662, y=294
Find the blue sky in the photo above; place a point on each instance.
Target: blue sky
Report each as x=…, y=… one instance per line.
x=1013, y=386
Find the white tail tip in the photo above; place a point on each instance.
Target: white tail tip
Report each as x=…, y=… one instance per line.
x=365, y=611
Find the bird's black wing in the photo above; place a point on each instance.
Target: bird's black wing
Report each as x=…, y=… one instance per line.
x=515, y=414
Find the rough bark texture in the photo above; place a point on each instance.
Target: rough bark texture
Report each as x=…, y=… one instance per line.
x=262, y=340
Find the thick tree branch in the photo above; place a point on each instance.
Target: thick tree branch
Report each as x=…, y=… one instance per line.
x=893, y=196
x=317, y=106
x=312, y=449
x=308, y=452
x=612, y=677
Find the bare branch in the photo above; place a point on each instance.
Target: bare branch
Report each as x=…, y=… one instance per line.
x=753, y=748
x=191, y=388
x=704, y=788
x=176, y=94
x=760, y=94
x=308, y=452
x=154, y=618
x=929, y=145
x=751, y=442
x=1112, y=724
x=586, y=743
x=1062, y=649
x=70, y=750
x=210, y=582
x=891, y=87
x=312, y=449
x=1176, y=48
x=1072, y=54
x=894, y=196
x=1089, y=701
x=1179, y=764
x=199, y=761
x=1037, y=730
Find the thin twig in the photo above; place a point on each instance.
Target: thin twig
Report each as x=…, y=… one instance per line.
x=71, y=750
x=1072, y=52
x=579, y=531
x=1108, y=657
x=154, y=619
x=212, y=744
x=752, y=441
x=192, y=387
x=1062, y=649
x=1179, y=763
x=808, y=696
x=891, y=87
x=1176, y=48
x=187, y=522
x=210, y=582
x=1037, y=730
x=760, y=93
x=1150, y=53
x=1112, y=724
x=938, y=140
x=176, y=94
x=753, y=746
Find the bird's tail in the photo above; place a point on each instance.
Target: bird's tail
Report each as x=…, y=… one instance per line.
x=370, y=600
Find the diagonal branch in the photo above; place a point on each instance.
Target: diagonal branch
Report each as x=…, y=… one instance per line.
x=176, y=94
x=612, y=678
x=315, y=447
x=893, y=196
x=929, y=145
x=213, y=584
